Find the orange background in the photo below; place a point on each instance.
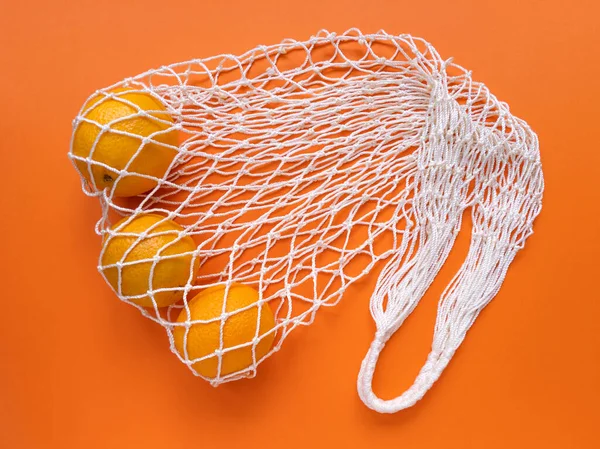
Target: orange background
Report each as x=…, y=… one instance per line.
x=80, y=369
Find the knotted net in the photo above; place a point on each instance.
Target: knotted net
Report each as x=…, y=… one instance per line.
x=305, y=166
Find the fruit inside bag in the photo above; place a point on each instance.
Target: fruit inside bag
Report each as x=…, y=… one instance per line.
x=242, y=193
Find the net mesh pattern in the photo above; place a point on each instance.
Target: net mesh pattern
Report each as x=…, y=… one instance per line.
x=307, y=165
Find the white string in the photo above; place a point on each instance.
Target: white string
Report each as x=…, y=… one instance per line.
x=366, y=138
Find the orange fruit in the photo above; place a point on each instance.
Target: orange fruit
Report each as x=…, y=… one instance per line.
x=240, y=328
x=137, y=258
x=148, y=150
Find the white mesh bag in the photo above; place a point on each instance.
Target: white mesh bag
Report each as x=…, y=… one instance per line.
x=305, y=166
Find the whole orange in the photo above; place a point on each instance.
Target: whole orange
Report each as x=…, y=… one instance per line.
x=131, y=162
x=134, y=244
x=246, y=325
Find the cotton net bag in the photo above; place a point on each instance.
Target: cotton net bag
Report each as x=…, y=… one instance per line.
x=306, y=166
